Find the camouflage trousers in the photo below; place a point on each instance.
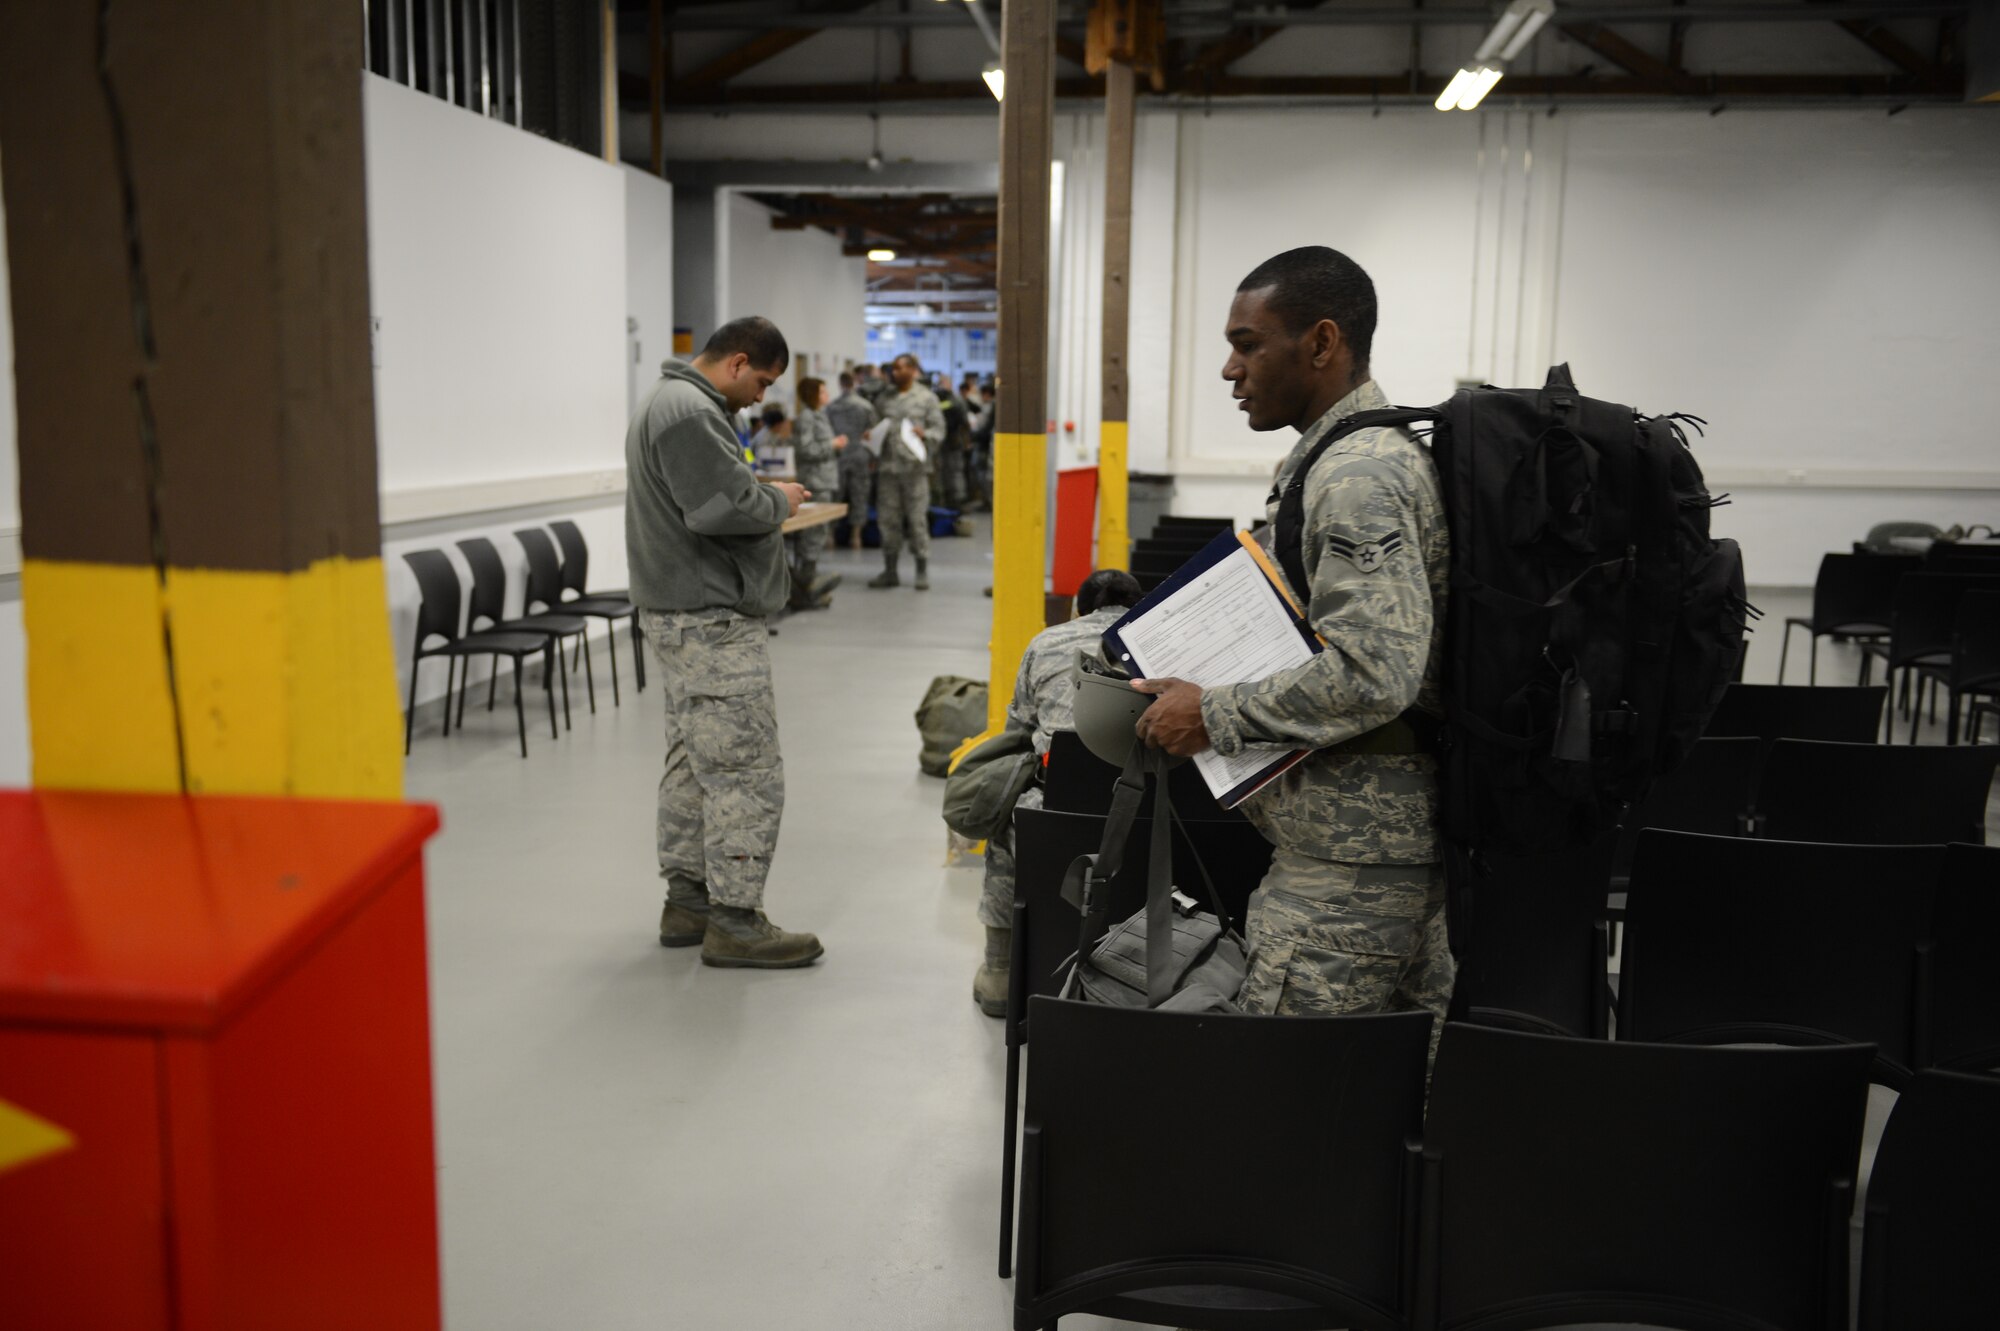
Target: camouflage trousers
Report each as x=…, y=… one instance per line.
x=903, y=508
x=723, y=791
x=1328, y=938
x=996, y=893
x=813, y=541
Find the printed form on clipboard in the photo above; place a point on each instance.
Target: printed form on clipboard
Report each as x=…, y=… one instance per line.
x=1224, y=617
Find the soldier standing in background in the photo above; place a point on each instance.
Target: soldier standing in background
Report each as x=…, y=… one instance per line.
x=902, y=480
x=868, y=382
x=707, y=563
x=854, y=415
x=1044, y=702
x=1350, y=917
x=816, y=449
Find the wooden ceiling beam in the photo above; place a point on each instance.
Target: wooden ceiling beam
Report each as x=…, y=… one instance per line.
x=758, y=49
x=1628, y=56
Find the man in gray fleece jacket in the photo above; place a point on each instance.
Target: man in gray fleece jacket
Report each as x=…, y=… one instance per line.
x=702, y=536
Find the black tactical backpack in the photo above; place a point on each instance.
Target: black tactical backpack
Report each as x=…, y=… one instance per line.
x=1592, y=623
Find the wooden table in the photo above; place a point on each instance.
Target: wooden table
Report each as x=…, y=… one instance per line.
x=813, y=515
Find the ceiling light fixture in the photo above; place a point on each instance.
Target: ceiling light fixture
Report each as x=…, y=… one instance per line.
x=996, y=81
x=1516, y=27
x=881, y=256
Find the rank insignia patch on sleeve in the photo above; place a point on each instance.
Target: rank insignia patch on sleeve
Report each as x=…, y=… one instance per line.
x=1366, y=556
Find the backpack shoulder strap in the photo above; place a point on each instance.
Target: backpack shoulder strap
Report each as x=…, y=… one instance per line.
x=1290, y=526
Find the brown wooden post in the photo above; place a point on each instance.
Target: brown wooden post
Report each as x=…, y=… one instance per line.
x=656, y=84
x=1114, y=535
x=1020, y=434
x=201, y=574
x=607, y=85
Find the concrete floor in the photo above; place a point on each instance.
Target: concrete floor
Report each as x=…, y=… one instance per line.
x=627, y=1139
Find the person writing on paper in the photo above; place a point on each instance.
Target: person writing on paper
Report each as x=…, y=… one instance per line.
x=902, y=479
x=703, y=542
x=1044, y=702
x=1350, y=917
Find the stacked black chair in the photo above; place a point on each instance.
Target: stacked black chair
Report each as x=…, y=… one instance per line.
x=1965, y=984
x=489, y=602
x=1712, y=791
x=1972, y=664
x=1882, y=537
x=1583, y=1181
x=546, y=588
x=1925, y=622
x=438, y=617
x=1220, y=1172
x=1852, y=598
x=1075, y=780
x=1230, y=856
x=1846, y=713
x=1731, y=940
x=1535, y=943
x=1204, y=528
x=1874, y=793
x=576, y=587
x=1933, y=1216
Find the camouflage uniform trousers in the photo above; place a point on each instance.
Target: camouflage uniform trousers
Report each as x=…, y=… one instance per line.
x=903, y=507
x=996, y=892
x=1328, y=938
x=723, y=791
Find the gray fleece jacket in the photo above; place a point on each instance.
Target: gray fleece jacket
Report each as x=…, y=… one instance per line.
x=701, y=531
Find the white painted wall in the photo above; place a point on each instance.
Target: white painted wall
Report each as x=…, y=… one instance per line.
x=800, y=281
x=649, y=279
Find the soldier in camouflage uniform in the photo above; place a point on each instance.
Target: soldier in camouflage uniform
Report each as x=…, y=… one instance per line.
x=1350, y=917
x=816, y=450
x=1044, y=702
x=902, y=482
x=707, y=564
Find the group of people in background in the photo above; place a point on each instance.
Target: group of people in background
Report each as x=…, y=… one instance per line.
x=830, y=458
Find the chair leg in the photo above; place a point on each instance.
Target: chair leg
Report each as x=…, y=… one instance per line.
x=589, y=672
x=451, y=664
x=493, y=681
x=562, y=673
x=1011, y=1115
x=611, y=645
x=1784, y=650
x=1951, y=718
x=1931, y=692
x=465, y=685
x=549, y=694
x=1917, y=712
x=520, y=708
x=1867, y=666
x=1812, y=661
x=410, y=717
x=577, y=655
x=638, y=653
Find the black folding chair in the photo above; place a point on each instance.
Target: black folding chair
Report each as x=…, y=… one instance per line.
x=1075, y=780
x=489, y=602
x=576, y=584
x=1731, y=940
x=1932, y=1222
x=1535, y=943
x=1584, y=1181
x=1874, y=793
x=545, y=588
x=1923, y=635
x=1965, y=988
x=1852, y=598
x=1233, y=855
x=1220, y=1171
x=1847, y=713
x=1175, y=525
x=1712, y=791
x=1972, y=664
x=438, y=617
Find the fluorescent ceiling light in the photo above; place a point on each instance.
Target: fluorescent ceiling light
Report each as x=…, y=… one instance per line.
x=996, y=81
x=881, y=256
x=1515, y=28
x=1467, y=88
x=1448, y=99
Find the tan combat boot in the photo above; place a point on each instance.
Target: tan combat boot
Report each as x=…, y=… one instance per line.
x=747, y=938
x=989, y=986
x=923, y=583
x=887, y=577
x=684, y=919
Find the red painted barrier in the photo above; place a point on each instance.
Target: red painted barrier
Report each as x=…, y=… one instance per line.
x=1076, y=527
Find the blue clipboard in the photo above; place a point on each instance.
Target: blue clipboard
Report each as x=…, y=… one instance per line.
x=1217, y=550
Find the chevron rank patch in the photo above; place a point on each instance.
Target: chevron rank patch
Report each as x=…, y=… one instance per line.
x=1366, y=556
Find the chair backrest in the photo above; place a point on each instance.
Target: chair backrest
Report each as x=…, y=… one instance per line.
x=545, y=586
x=1965, y=986
x=1533, y=954
x=575, y=555
x=1583, y=1181
x=1075, y=780
x=439, y=593
x=1851, y=714
x=489, y=582
x=1881, y=794
x=1711, y=792
x=1858, y=591
x=1975, y=648
x=1169, y=1149
x=1934, y=1208
x=1730, y=940
x=1881, y=536
x=1955, y=550
x=1927, y=613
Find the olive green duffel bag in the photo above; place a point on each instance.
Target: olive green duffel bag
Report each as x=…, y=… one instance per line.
x=980, y=792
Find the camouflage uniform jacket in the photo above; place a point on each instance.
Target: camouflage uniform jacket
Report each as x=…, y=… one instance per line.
x=1376, y=555
x=920, y=407
x=812, y=449
x=1045, y=689
x=851, y=414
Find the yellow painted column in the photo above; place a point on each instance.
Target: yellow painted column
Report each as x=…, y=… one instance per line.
x=1020, y=546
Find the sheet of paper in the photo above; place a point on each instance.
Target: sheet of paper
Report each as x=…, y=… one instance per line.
x=913, y=439
x=1226, y=626
x=875, y=437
